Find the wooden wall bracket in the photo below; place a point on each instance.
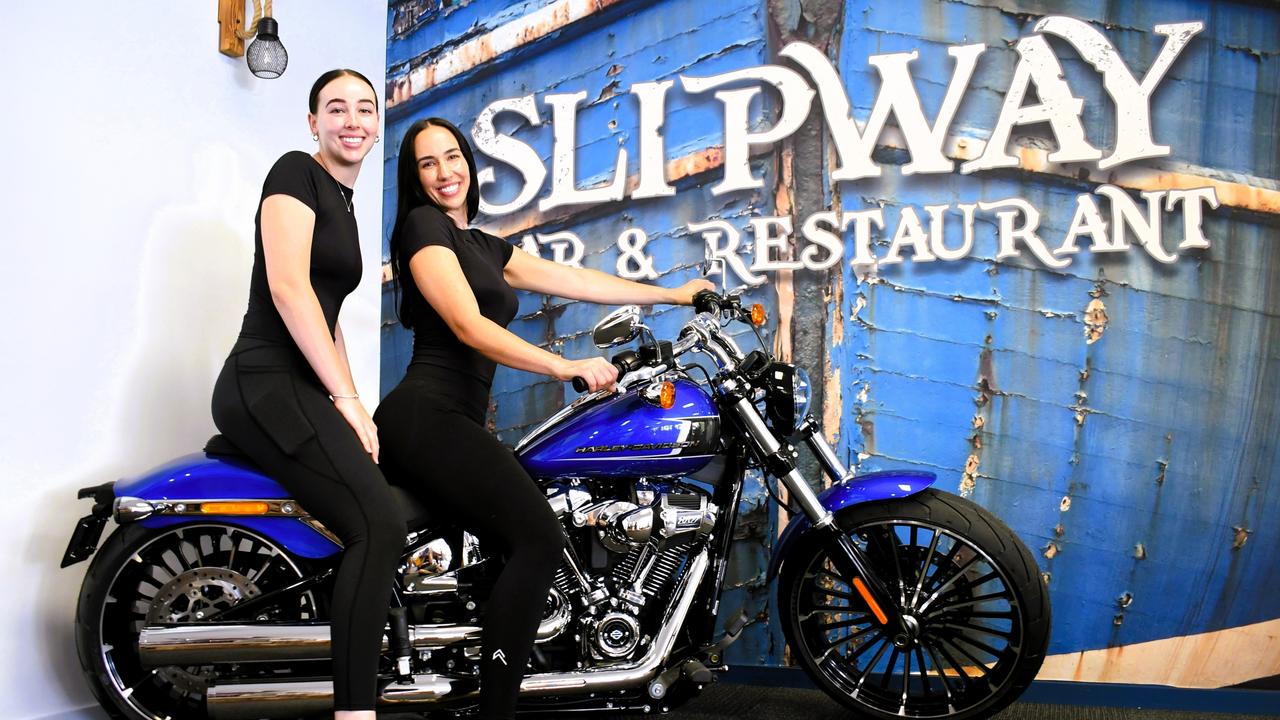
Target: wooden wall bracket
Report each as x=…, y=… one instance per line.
x=230, y=22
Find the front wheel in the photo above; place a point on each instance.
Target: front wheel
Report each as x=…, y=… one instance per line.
x=976, y=609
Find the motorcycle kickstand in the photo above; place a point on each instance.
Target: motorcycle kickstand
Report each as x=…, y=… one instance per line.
x=731, y=634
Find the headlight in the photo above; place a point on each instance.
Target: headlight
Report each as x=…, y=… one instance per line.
x=788, y=396
x=800, y=392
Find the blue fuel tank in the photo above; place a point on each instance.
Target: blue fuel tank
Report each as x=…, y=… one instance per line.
x=625, y=435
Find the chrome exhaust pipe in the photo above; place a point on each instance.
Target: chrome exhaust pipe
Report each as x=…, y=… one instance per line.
x=246, y=701
x=213, y=643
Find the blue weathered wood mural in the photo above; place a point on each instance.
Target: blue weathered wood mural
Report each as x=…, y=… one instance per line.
x=1031, y=246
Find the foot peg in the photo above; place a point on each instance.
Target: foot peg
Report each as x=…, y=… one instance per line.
x=691, y=668
x=697, y=672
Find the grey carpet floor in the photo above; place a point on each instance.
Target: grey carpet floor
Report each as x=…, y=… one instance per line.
x=723, y=700
x=751, y=702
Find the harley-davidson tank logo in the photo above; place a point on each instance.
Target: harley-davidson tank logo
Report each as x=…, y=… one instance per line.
x=635, y=446
x=695, y=436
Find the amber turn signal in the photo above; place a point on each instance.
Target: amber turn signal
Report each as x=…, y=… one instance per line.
x=234, y=508
x=871, y=601
x=667, y=396
x=758, y=315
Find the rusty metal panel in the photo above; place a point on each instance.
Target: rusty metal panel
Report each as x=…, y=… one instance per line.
x=1119, y=413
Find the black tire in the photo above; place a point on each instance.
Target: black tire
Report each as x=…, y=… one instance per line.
x=970, y=583
x=184, y=573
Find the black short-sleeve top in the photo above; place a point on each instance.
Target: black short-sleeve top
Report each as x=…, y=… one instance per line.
x=335, y=246
x=437, y=352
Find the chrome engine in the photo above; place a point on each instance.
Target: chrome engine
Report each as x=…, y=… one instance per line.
x=625, y=556
x=652, y=532
x=623, y=525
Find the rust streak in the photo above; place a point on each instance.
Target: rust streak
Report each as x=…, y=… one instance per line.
x=783, y=205
x=832, y=404
x=1095, y=320
x=1207, y=660
x=499, y=41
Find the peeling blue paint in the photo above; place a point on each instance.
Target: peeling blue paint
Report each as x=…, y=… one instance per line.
x=1161, y=433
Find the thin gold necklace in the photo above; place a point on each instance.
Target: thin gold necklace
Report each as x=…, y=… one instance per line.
x=325, y=165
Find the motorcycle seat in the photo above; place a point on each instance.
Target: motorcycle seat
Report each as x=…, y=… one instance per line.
x=416, y=513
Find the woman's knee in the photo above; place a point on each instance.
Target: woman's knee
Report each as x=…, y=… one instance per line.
x=383, y=526
x=389, y=530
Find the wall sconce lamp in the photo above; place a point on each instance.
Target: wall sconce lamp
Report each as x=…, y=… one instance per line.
x=266, y=55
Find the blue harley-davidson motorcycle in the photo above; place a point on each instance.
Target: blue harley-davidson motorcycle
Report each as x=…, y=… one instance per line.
x=210, y=598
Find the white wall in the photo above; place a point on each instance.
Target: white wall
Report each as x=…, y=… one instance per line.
x=134, y=157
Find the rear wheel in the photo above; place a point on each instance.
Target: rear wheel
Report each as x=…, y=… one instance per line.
x=182, y=574
x=976, y=608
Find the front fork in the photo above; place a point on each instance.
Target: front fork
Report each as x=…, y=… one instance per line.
x=779, y=461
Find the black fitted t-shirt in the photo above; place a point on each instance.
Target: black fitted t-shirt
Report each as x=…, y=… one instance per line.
x=438, y=354
x=335, y=246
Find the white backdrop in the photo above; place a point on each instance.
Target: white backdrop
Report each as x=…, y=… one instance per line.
x=134, y=156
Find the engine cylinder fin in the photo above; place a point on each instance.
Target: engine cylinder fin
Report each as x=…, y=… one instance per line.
x=665, y=567
x=626, y=567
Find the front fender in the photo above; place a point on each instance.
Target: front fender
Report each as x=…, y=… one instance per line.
x=874, y=486
x=200, y=476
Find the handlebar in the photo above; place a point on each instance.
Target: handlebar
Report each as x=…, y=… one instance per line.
x=701, y=333
x=625, y=362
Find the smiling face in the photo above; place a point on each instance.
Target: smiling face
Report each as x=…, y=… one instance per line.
x=443, y=171
x=346, y=121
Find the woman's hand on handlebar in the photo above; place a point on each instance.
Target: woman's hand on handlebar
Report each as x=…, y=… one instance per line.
x=599, y=374
x=358, y=418
x=683, y=295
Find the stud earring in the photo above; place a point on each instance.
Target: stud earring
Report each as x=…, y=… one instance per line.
x=377, y=138
x=316, y=137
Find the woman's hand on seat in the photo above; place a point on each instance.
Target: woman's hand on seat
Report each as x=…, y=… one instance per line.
x=358, y=418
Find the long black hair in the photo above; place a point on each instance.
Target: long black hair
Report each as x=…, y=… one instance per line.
x=313, y=100
x=410, y=196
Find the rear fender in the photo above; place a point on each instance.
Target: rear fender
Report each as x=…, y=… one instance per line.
x=871, y=487
x=203, y=477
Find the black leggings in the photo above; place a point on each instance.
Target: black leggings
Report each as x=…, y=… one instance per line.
x=443, y=454
x=277, y=413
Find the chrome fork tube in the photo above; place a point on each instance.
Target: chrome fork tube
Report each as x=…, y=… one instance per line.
x=822, y=450
x=795, y=483
x=847, y=555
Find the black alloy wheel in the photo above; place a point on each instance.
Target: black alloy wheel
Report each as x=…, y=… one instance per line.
x=181, y=574
x=975, y=609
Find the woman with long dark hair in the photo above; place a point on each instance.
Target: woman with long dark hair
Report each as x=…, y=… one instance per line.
x=457, y=296
x=286, y=397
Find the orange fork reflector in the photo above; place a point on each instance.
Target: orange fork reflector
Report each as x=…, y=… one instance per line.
x=667, y=395
x=758, y=315
x=871, y=603
x=234, y=508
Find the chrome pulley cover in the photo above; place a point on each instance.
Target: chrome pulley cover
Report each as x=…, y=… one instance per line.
x=616, y=635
